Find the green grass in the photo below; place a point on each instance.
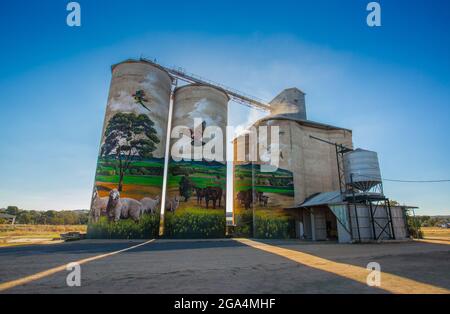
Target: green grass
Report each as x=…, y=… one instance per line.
x=243, y=181
x=147, y=228
x=201, y=182
x=268, y=225
x=136, y=168
x=200, y=175
x=32, y=234
x=150, y=164
x=200, y=211
x=288, y=191
x=195, y=224
x=274, y=227
x=138, y=180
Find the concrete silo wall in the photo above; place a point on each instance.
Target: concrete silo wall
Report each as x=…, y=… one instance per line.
x=196, y=187
x=313, y=162
x=132, y=150
x=306, y=167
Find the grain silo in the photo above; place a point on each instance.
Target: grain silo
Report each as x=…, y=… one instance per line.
x=305, y=167
x=196, y=190
x=132, y=149
x=323, y=189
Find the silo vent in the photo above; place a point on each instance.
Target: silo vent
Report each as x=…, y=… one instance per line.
x=291, y=101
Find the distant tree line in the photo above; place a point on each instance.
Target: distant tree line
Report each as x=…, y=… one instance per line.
x=49, y=217
x=424, y=221
x=432, y=221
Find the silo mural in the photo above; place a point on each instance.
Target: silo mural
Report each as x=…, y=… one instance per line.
x=264, y=200
x=262, y=196
x=129, y=176
x=196, y=189
x=274, y=188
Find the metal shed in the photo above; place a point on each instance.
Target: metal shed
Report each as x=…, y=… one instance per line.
x=327, y=215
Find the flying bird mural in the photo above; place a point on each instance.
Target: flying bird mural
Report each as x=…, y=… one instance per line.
x=139, y=98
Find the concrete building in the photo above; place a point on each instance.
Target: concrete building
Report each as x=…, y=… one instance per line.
x=321, y=188
x=319, y=204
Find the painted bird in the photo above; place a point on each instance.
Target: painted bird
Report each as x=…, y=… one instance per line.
x=198, y=135
x=139, y=97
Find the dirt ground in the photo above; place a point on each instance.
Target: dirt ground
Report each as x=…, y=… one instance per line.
x=436, y=233
x=34, y=234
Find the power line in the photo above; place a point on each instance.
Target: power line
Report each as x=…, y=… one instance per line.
x=417, y=181
x=409, y=181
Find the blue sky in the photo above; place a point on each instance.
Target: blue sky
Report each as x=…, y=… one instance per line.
x=390, y=85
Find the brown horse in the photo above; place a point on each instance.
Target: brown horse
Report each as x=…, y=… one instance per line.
x=200, y=193
x=245, y=198
x=213, y=194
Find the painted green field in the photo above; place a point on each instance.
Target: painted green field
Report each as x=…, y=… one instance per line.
x=273, y=182
x=137, y=180
x=201, y=182
x=201, y=175
x=146, y=172
x=283, y=190
x=288, y=191
x=199, y=211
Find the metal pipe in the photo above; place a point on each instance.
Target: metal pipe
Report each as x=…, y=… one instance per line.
x=390, y=217
x=253, y=200
x=356, y=208
x=338, y=169
x=166, y=167
x=373, y=221
x=191, y=78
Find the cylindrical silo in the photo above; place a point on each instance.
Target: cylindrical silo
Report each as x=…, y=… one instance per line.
x=196, y=190
x=132, y=148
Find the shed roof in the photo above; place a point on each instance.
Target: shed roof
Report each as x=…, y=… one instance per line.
x=331, y=198
x=324, y=198
x=310, y=123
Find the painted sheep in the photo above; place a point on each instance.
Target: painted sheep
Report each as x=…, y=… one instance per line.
x=150, y=205
x=123, y=207
x=98, y=207
x=172, y=205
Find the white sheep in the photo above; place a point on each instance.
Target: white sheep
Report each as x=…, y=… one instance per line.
x=123, y=207
x=98, y=206
x=172, y=205
x=149, y=205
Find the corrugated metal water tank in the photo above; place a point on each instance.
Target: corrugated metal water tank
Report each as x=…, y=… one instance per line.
x=362, y=169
